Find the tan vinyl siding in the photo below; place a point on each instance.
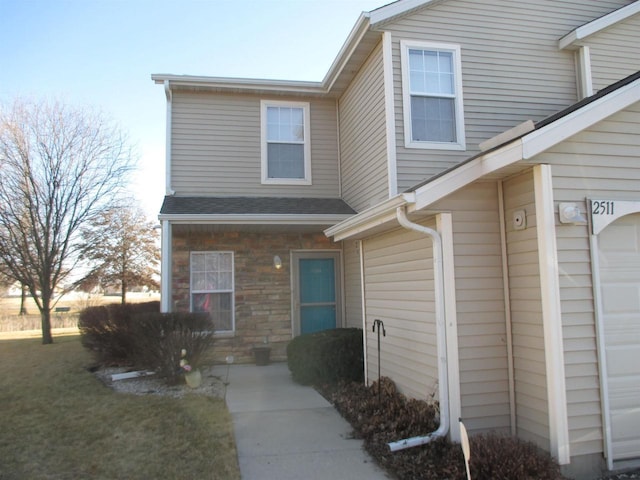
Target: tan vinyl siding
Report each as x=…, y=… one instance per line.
x=215, y=147
x=532, y=412
x=512, y=69
x=352, y=284
x=601, y=162
x=615, y=52
x=484, y=380
x=363, y=137
x=399, y=291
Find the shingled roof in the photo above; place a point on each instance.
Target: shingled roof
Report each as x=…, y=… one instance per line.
x=254, y=206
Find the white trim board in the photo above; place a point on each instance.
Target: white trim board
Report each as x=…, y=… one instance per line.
x=580, y=33
x=551, y=315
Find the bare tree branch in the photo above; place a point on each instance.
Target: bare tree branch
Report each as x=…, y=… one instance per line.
x=61, y=167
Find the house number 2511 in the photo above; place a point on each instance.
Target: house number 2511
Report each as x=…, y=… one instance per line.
x=602, y=207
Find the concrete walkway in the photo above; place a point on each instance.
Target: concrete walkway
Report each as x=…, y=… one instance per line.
x=286, y=431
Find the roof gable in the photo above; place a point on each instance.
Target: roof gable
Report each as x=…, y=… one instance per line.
x=499, y=160
x=358, y=45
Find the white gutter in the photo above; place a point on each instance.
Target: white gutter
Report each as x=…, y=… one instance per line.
x=243, y=84
x=443, y=379
x=363, y=297
x=167, y=156
x=165, y=268
x=377, y=215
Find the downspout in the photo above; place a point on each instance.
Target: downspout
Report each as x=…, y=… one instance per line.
x=167, y=166
x=166, y=232
x=443, y=379
x=360, y=246
x=165, y=267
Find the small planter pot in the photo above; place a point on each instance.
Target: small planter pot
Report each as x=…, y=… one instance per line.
x=262, y=355
x=193, y=378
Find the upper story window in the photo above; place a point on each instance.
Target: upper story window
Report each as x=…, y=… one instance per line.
x=286, y=150
x=432, y=96
x=212, y=288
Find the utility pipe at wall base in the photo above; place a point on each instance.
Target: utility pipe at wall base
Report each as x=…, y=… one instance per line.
x=443, y=377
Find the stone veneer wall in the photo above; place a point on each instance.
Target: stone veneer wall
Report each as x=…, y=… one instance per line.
x=262, y=293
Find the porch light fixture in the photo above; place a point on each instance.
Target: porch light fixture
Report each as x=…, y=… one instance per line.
x=570, y=213
x=277, y=262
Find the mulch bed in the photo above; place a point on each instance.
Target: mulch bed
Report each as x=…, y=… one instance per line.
x=379, y=414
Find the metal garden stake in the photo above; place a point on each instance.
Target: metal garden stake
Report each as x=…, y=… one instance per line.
x=380, y=325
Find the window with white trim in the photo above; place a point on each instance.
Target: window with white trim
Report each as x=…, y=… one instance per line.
x=432, y=96
x=212, y=288
x=286, y=150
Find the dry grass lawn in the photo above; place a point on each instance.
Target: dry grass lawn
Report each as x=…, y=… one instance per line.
x=59, y=422
x=10, y=321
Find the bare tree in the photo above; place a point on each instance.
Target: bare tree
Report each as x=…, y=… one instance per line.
x=61, y=167
x=123, y=245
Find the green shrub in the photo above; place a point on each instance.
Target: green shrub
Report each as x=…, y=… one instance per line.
x=159, y=338
x=327, y=357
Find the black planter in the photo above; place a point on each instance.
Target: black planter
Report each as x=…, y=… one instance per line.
x=262, y=355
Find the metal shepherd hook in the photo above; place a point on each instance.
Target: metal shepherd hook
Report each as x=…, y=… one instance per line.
x=380, y=325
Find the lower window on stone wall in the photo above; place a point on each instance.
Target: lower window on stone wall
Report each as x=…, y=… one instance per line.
x=212, y=287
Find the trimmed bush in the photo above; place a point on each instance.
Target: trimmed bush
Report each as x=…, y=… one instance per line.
x=138, y=335
x=106, y=330
x=327, y=357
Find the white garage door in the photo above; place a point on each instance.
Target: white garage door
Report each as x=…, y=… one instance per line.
x=619, y=246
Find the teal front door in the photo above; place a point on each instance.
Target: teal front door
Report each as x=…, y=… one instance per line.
x=317, y=290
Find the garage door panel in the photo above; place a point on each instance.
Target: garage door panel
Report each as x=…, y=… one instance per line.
x=622, y=396
x=620, y=237
x=625, y=443
x=623, y=362
x=619, y=268
x=621, y=298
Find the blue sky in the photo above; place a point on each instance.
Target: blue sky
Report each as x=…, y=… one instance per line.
x=101, y=53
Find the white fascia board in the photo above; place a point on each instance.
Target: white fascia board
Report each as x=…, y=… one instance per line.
x=540, y=140
x=249, y=84
x=382, y=213
x=599, y=24
x=468, y=173
x=394, y=9
x=253, y=219
x=353, y=40
x=528, y=146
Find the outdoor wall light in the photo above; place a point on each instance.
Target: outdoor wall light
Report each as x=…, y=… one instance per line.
x=277, y=262
x=570, y=213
